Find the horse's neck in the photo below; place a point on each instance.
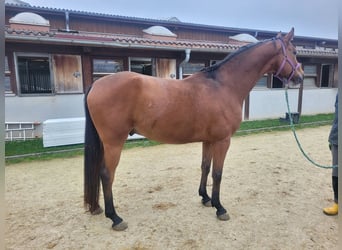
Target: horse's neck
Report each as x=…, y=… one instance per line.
x=242, y=73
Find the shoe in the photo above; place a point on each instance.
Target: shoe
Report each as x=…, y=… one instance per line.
x=333, y=210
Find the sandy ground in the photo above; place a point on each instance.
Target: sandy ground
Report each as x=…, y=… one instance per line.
x=273, y=195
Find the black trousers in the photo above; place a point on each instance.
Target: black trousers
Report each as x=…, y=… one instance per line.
x=334, y=153
x=335, y=188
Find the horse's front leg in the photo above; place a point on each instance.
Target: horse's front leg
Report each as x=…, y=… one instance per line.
x=206, y=162
x=219, y=154
x=107, y=177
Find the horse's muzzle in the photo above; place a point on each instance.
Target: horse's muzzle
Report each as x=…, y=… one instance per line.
x=298, y=79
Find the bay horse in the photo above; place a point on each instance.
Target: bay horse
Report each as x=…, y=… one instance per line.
x=204, y=107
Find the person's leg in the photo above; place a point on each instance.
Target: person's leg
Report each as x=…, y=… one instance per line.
x=335, y=188
x=334, y=151
x=333, y=210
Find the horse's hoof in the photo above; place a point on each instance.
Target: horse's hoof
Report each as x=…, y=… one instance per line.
x=224, y=216
x=207, y=203
x=97, y=211
x=120, y=227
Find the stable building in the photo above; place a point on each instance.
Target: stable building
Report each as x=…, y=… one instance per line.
x=53, y=55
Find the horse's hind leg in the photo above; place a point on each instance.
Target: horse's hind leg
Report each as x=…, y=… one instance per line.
x=206, y=162
x=219, y=154
x=112, y=157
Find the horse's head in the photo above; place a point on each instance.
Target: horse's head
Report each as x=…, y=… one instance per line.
x=288, y=67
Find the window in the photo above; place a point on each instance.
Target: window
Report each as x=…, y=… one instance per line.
x=103, y=67
x=8, y=88
x=262, y=82
x=327, y=73
x=44, y=74
x=34, y=75
x=277, y=83
x=141, y=65
x=191, y=68
x=310, y=73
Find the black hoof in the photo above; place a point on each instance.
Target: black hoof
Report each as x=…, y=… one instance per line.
x=207, y=202
x=120, y=227
x=222, y=215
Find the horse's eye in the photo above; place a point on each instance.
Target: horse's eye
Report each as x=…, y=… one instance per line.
x=295, y=52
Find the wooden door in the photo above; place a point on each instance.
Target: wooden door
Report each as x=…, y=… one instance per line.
x=67, y=72
x=166, y=68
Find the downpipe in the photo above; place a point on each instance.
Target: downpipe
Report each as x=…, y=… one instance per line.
x=186, y=60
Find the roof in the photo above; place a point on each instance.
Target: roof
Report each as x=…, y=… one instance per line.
x=170, y=21
x=114, y=40
x=163, y=22
x=119, y=41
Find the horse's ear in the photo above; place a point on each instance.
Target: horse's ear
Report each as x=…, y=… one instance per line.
x=289, y=36
x=278, y=35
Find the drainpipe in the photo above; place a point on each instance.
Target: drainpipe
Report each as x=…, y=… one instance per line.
x=187, y=57
x=67, y=28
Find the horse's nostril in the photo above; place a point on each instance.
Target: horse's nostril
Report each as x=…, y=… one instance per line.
x=300, y=79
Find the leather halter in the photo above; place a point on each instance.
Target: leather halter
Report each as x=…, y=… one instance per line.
x=285, y=60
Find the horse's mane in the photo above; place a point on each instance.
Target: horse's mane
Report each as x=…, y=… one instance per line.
x=211, y=69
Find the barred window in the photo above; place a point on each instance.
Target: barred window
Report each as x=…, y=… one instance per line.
x=34, y=75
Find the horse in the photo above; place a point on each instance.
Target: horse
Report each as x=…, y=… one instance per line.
x=204, y=107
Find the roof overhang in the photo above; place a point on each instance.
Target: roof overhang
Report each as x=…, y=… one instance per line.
x=120, y=41
x=115, y=41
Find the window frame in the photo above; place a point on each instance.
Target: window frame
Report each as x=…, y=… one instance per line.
x=262, y=82
x=8, y=74
x=313, y=76
x=193, y=67
x=331, y=73
x=98, y=75
x=144, y=60
x=18, y=81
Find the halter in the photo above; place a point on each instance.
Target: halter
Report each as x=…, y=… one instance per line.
x=286, y=59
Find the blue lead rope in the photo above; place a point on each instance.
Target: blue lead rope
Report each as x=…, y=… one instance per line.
x=295, y=136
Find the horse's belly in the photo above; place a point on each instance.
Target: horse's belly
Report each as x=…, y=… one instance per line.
x=183, y=132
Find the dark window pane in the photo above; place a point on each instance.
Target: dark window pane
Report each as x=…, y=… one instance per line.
x=191, y=68
x=107, y=66
x=34, y=75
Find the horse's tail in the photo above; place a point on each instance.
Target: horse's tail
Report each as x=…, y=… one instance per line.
x=93, y=158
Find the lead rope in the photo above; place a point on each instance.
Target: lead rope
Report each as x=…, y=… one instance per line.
x=295, y=135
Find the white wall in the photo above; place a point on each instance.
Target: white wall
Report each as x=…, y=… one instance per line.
x=317, y=101
x=41, y=108
x=271, y=103
x=37, y=109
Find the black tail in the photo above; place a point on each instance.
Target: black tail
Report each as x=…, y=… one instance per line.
x=93, y=159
